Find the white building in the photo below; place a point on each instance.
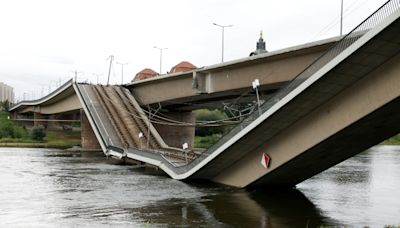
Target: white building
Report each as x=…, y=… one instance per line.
x=6, y=93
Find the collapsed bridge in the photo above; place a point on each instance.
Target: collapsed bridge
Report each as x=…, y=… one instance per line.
x=342, y=99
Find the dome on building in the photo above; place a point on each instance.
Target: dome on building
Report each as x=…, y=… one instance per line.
x=182, y=66
x=145, y=73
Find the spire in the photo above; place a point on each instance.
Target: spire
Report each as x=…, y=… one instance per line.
x=260, y=44
x=260, y=48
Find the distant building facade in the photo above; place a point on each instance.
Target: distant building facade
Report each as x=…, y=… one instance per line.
x=6, y=93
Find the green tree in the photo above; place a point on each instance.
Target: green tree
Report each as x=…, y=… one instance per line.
x=209, y=115
x=8, y=129
x=6, y=126
x=4, y=105
x=38, y=133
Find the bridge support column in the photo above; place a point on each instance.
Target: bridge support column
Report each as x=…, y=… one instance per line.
x=88, y=138
x=175, y=136
x=53, y=125
x=37, y=116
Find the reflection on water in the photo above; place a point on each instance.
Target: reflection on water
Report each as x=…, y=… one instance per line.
x=225, y=207
x=48, y=188
x=290, y=208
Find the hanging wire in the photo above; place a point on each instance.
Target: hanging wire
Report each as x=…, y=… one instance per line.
x=336, y=20
x=167, y=121
x=203, y=123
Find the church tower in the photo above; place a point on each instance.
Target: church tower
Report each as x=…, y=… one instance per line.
x=260, y=48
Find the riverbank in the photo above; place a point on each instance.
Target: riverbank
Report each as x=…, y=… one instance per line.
x=395, y=140
x=53, y=139
x=64, y=140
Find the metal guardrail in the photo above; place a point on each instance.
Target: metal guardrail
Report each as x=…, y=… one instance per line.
x=373, y=20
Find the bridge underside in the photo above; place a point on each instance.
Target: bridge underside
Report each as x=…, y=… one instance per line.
x=365, y=133
x=210, y=86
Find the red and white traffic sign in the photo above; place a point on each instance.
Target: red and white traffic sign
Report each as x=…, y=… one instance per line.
x=265, y=159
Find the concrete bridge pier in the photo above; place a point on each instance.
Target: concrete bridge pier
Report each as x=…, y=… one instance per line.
x=37, y=117
x=174, y=135
x=88, y=138
x=52, y=125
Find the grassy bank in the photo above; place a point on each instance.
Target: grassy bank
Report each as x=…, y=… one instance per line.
x=395, y=140
x=53, y=139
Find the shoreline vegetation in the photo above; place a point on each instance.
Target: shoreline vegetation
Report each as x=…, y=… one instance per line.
x=53, y=139
x=65, y=140
x=12, y=135
x=395, y=140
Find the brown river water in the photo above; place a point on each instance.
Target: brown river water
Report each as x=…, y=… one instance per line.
x=55, y=188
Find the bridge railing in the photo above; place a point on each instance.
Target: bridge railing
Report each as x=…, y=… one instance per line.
x=373, y=20
x=46, y=97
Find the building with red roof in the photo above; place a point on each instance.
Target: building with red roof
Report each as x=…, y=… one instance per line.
x=145, y=73
x=182, y=66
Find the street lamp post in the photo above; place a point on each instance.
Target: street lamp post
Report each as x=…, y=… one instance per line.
x=161, y=50
x=223, y=34
x=111, y=57
x=76, y=74
x=122, y=71
x=97, y=77
x=341, y=17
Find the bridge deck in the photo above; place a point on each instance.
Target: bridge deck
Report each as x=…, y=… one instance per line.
x=122, y=124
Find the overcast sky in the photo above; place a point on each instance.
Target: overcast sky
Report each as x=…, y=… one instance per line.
x=42, y=42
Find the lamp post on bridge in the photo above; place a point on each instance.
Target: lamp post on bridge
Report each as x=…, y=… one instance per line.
x=161, y=50
x=256, y=84
x=122, y=71
x=341, y=17
x=111, y=58
x=97, y=77
x=223, y=38
x=76, y=72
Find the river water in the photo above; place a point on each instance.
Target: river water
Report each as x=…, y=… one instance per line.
x=55, y=188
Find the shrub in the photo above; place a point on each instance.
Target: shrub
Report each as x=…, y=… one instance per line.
x=6, y=130
x=38, y=133
x=20, y=132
